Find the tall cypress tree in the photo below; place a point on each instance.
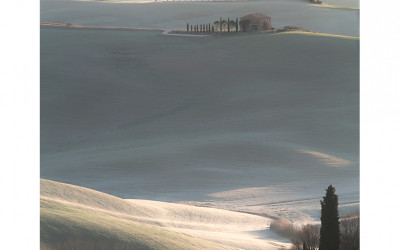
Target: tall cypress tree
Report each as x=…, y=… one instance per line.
x=237, y=24
x=330, y=231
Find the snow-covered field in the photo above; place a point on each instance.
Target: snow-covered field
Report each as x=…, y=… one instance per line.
x=252, y=122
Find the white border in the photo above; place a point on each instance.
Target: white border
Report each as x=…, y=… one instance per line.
x=380, y=124
x=19, y=126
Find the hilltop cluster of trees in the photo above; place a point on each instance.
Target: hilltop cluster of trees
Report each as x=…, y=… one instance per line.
x=334, y=233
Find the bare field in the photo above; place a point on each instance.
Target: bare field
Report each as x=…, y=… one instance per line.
x=142, y=115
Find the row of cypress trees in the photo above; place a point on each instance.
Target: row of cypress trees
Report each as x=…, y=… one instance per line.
x=200, y=28
x=210, y=28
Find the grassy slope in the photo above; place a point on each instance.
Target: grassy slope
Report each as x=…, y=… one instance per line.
x=150, y=212
x=80, y=218
x=74, y=217
x=64, y=226
x=88, y=197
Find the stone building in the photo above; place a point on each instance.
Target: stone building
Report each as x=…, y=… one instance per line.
x=255, y=22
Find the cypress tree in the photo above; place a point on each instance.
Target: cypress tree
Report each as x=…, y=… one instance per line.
x=330, y=231
x=237, y=24
x=187, y=27
x=229, y=30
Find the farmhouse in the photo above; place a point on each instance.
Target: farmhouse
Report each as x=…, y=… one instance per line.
x=255, y=22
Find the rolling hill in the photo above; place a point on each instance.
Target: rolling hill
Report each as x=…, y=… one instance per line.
x=81, y=218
